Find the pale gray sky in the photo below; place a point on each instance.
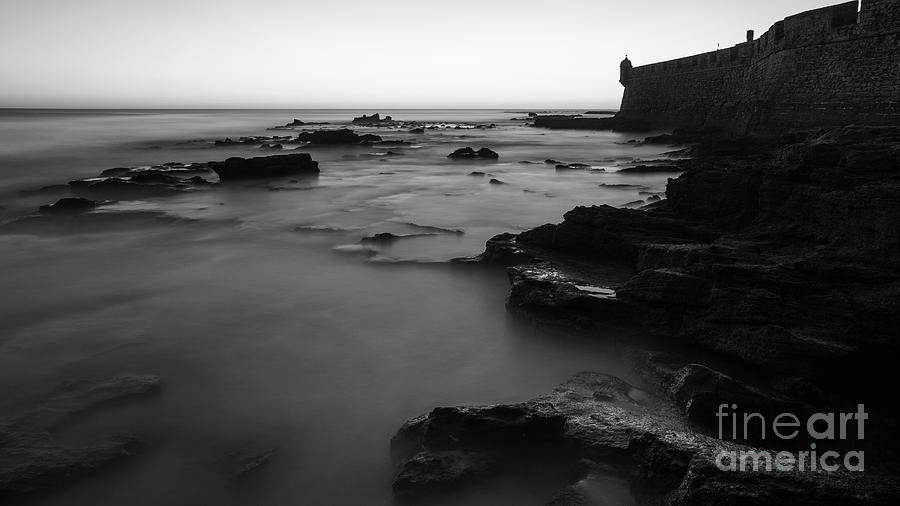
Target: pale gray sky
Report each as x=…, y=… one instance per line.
x=352, y=53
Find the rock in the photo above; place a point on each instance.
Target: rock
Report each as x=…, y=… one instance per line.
x=496, y=181
x=649, y=169
x=334, y=137
x=572, y=166
x=32, y=462
x=666, y=286
x=154, y=178
x=700, y=391
x=373, y=120
x=440, y=471
x=246, y=462
x=417, y=130
x=551, y=161
x=602, y=422
x=74, y=205
x=476, y=173
x=468, y=153
x=614, y=233
x=758, y=257
x=197, y=180
x=114, y=188
x=383, y=237
x=265, y=167
x=75, y=398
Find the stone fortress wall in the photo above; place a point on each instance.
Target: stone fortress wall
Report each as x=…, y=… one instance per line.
x=836, y=65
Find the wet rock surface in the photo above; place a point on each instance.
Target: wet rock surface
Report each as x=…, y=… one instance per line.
x=777, y=259
x=606, y=427
x=336, y=137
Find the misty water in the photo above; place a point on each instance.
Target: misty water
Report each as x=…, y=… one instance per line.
x=273, y=328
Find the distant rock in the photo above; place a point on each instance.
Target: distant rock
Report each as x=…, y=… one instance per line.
x=373, y=120
x=333, y=137
x=496, y=181
x=417, y=130
x=468, y=153
x=477, y=173
x=72, y=205
x=264, y=167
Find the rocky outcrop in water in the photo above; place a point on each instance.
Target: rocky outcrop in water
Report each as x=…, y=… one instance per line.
x=777, y=259
x=601, y=428
x=373, y=120
x=265, y=167
x=336, y=137
x=468, y=153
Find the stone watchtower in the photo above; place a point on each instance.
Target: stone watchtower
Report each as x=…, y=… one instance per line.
x=625, y=71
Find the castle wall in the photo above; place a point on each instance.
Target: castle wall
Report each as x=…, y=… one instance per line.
x=829, y=66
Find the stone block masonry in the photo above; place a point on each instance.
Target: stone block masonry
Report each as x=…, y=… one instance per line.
x=832, y=66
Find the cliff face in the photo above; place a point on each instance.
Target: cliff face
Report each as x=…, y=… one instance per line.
x=827, y=67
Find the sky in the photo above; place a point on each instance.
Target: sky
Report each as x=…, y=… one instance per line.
x=353, y=53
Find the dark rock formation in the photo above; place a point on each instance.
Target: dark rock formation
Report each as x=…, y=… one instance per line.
x=599, y=422
x=468, y=153
x=496, y=181
x=342, y=136
x=114, y=188
x=69, y=206
x=373, y=120
x=778, y=260
x=265, y=167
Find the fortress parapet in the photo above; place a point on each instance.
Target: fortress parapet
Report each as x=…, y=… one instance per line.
x=829, y=66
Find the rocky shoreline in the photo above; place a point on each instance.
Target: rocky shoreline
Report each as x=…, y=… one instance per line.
x=774, y=262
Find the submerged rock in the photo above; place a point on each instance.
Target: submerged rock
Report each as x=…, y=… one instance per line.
x=265, y=167
x=32, y=460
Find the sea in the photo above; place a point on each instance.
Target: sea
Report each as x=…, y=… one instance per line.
x=275, y=328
